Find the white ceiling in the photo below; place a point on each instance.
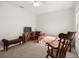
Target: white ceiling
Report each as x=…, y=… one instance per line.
x=47, y=6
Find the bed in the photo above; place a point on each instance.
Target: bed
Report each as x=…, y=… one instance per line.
x=48, y=39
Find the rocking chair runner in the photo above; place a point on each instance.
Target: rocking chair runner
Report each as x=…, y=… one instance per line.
x=61, y=50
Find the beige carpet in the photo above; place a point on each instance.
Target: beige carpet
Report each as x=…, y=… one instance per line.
x=30, y=50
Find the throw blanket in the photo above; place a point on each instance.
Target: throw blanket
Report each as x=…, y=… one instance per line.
x=47, y=39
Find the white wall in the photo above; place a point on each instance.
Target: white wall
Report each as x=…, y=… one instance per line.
x=77, y=28
x=56, y=22
x=12, y=21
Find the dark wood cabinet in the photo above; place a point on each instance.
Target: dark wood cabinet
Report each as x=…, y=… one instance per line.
x=31, y=35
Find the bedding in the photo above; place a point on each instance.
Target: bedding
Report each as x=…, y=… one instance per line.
x=47, y=39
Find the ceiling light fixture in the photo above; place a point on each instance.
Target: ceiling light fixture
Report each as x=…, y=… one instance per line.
x=36, y=3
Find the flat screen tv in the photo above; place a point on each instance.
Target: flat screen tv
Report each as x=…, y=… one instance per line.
x=27, y=29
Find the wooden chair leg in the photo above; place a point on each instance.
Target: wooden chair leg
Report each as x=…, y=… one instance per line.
x=70, y=48
x=52, y=51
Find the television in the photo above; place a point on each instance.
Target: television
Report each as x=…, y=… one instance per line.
x=27, y=29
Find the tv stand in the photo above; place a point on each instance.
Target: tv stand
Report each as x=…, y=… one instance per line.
x=28, y=36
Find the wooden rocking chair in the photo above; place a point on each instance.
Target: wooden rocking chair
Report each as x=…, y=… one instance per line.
x=60, y=51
